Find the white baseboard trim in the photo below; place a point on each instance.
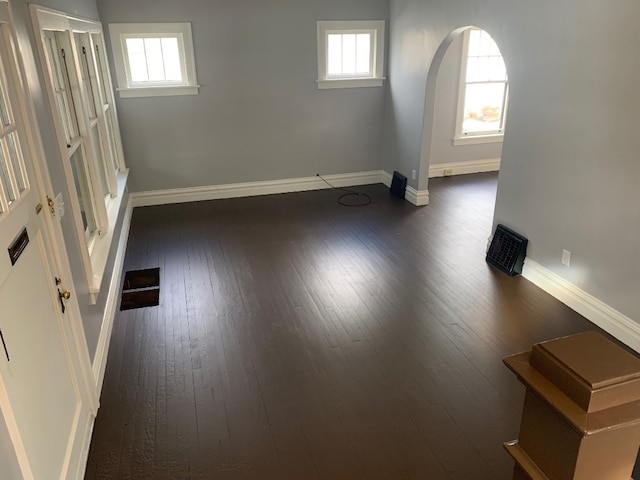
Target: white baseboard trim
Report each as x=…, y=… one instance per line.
x=463, y=168
x=386, y=178
x=413, y=196
x=102, y=350
x=78, y=468
x=594, y=310
x=250, y=189
x=418, y=198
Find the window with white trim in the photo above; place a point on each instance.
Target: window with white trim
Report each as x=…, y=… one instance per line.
x=350, y=54
x=484, y=90
x=14, y=183
x=81, y=96
x=154, y=59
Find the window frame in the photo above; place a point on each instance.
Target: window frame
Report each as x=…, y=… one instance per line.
x=89, y=109
x=472, y=138
x=377, y=53
x=120, y=32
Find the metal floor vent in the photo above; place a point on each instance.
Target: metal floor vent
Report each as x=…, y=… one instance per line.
x=507, y=251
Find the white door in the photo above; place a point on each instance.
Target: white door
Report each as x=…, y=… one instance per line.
x=40, y=397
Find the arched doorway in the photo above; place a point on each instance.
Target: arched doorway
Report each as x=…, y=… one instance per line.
x=465, y=107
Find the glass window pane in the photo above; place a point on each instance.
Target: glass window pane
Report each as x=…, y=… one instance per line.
x=497, y=69
x=474, y=70
x=474, y=43
x=16, y=160
x=96, y=144
x=137, y=60
x=348, y=54
x=82, y=188
x=112, y=140
x=67, y=117
x=171, y=57
x=5, y=178
x=86, y=69
x=492, y=46
x=155, y=64
x=105, y=84
x=5, y=116
x=363, y=48
x=483, y=107
x=334, y=54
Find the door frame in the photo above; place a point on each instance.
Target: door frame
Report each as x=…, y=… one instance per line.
x=72, y=330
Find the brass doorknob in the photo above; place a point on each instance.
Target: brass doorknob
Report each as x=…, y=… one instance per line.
x=66, y=294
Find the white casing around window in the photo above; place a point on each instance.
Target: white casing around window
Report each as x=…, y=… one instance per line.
x=373, y=27
x=460, y=138
x=119, y=32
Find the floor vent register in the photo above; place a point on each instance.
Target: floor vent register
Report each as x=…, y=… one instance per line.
x=141, y=289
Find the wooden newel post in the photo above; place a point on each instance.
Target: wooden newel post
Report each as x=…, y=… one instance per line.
x=581, y=415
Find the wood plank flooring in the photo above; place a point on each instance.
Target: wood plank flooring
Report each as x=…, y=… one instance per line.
x=300, y=339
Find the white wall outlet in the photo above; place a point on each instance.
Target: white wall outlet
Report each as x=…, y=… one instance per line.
x=413, y=174
x=566, y=257
x=448, y=171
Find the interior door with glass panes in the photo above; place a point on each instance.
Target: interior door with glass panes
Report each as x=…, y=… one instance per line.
x=40, y=396
x=61, y=69
x=96, y=129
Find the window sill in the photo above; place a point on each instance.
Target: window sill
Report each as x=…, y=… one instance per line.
x=132, y=92
x=350, y=83
x=102, y=245
x=478, y=139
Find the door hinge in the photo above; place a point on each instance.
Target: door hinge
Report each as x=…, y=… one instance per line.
x=52, y=205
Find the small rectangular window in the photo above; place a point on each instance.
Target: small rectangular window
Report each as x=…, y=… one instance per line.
x=350, y=54
x=154, y=59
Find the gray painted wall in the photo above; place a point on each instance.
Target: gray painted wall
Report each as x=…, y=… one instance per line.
x=446, y=105
x=9, y=466
x=259, y=114
x=570, y=163
x=92, y=315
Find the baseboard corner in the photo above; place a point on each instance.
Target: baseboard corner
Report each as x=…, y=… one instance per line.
x=419, y=198
x=597, y=312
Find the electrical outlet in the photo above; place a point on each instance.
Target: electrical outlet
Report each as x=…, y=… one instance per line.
x=566, y=257
x=448, y=171
x=413, y=174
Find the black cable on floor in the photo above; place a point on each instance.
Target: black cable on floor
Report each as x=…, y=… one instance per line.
x=361, y=199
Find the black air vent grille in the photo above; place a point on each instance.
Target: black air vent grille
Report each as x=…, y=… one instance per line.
x=507, y=251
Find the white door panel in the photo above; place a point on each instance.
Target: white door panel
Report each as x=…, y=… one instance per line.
x=37, y=376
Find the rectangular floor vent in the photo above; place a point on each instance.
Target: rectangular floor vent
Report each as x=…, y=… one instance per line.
x=140, y=299
x=507, y=251
x=140, y=289
x=147, y=278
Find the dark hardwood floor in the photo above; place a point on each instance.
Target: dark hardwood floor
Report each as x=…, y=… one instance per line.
x=300, y=339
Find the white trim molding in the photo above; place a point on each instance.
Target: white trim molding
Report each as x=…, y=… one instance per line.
x=374, y=77
x=477, y=139
x=127, y=86
x=419, y=198
x=251, y=189
x=594, y=310
x=102, y=350
x=463, y=168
